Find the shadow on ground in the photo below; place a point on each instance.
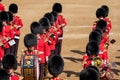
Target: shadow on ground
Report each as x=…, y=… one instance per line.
x=76, y=60
x=117, y=57
x=78, y=52
x=116, y=71
x=69, y=73
x=118, y=50
x=118, y=63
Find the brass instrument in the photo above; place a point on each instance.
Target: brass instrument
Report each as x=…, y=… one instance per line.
x=97, y=61
x=105, y=72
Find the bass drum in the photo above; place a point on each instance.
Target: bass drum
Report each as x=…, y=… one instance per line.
x=30, y=67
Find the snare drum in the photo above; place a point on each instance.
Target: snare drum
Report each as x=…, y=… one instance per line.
x=30, y=67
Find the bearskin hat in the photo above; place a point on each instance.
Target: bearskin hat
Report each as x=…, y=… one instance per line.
x=10, y=16
x=102, y=25
x=4, y=75
x=106, y=9
x=30, y=40
x=55, y=65
x=99, y=31
x=50, y=18
x=57, y=7
x=92, y=48
x=55, y=15
x=13, y=8
x=45, y=23
x=96, y=36
x=93, y=67
x=9, y=62
x=4, y=16
x=89, y=73
x=100, y=12
x=36, y=28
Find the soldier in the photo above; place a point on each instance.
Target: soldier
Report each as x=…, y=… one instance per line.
x=92, y=50
x=7, y=33
x=52, y=36
x=89, y=73
x=30, y=41
x=17, y=25
x=107, y=19
x=57, y=7
x=36, y=29
x=55, y=67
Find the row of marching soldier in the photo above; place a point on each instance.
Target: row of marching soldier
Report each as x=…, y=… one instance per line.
x=10, y=25
x=43, y=45
x=96, y=63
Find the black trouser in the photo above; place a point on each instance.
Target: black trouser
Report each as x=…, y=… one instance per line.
x=41, y=76
x=12, y=50
x=52, y=52
x=58, y=47
x=7, y=51
x=16, y=47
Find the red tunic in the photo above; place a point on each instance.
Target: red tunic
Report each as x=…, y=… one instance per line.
x=52, y=43
x=51, y=40
x=41, y=49
x=1, y=48
x=8, y=34
x=47, y=50
x=2, y=8
x=47, y=46
x=103, y=53
x=17, y=22
x=1, y=53
x=109, y=22
x=58, y=31
x=87, y=61
x=105, y=41
x=14, y=77
x=61, y=21
x=56, y=36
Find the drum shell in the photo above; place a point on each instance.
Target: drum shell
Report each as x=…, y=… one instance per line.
x=30, y=71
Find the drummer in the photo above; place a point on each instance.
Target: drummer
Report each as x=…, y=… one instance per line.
x=30, y=40
x=36, y=29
